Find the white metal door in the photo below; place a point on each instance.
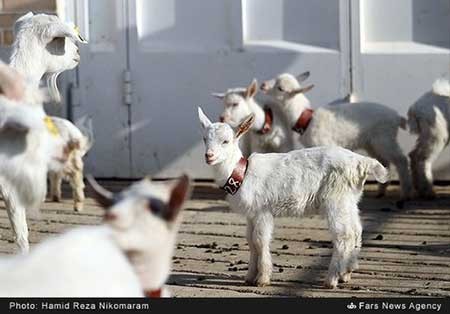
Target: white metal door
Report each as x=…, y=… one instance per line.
x=100, y=80
x=181, y=51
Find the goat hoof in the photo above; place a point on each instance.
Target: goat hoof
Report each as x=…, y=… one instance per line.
x=331, y=283
x=78, y=207
x=345, y=277
x=262, y=281
x=56, y=198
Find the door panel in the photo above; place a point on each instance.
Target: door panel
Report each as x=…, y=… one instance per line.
x=103, y=62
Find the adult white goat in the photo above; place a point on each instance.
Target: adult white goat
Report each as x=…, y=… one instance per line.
x=369, y=126
x=429, y=118
x=327, y=179
x=269, y=132
x=130, y=256
x=44, y=45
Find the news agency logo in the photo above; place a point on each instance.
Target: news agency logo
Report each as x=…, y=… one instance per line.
x=351, y=306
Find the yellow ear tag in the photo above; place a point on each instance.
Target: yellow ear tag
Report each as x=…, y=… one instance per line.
x=51, y=127
x=77, y=30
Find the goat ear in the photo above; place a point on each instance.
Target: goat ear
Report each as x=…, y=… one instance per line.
x=302, y=90
x=218, y=95
x=19, y=22
x=252, y=89
x=303, y=76
x=104, y=197
x=180, y=192
x=204, y=120
x=245, y=126
x=55, y=30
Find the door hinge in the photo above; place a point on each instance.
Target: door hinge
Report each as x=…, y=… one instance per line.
x=127, y=88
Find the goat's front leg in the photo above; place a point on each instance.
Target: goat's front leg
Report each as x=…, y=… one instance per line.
x=253, y=260
x=17, y=217
x=262, y=235
x=55, y=186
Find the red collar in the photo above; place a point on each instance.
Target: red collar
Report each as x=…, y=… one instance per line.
x=234, y=182
x=153, y=294
x=267, y=122
x=303, y=121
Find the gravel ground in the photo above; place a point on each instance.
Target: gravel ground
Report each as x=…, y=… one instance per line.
x=406, y=252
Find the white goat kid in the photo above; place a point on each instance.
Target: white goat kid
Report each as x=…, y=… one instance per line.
x=72, y=170
x=27, y=147
x=130, y=256
x=44, y=45
x=327, y=179
x=269, y=132
x=363, y=125
x=429, y=118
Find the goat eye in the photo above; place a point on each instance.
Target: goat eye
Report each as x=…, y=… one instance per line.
x=235, y=104
x=281, y=89
x=225, y=142
x=157, y=207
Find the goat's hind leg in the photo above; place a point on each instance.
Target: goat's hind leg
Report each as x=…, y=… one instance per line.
x=77, y=184
x=343, y=249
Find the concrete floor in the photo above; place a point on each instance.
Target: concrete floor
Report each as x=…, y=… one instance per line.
x=405, y=252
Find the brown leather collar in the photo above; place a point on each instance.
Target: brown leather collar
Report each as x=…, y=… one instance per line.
x=153, y=294
x=234, y=182
x=267, y=122
x=303, y=121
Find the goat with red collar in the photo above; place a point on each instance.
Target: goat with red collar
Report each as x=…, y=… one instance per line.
x=327, y=179
x=128, y=256
x=360, y=125
x=269, y=133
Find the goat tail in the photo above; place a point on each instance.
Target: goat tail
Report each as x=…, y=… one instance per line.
x=375, y=168
x=84, y=124
x=441, y=87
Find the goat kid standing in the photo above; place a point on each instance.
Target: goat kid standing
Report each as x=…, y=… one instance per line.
x=429, y=118
x=269, y=132
x=363, y=125
x=327, y=179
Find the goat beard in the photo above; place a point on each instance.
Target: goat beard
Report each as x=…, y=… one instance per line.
x=53, y=87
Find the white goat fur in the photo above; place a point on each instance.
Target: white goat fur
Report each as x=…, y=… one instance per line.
x=239, y=103
x=429, y=118
x=45, y=45
x=325, y=179
x=363, y=125
x=73, y=168
x=130, y=254
x=27, y=149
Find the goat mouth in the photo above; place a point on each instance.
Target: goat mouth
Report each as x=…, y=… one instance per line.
x=210, y=161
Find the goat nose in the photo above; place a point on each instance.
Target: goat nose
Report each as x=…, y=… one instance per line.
x=209, y=155
x=222, y=119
